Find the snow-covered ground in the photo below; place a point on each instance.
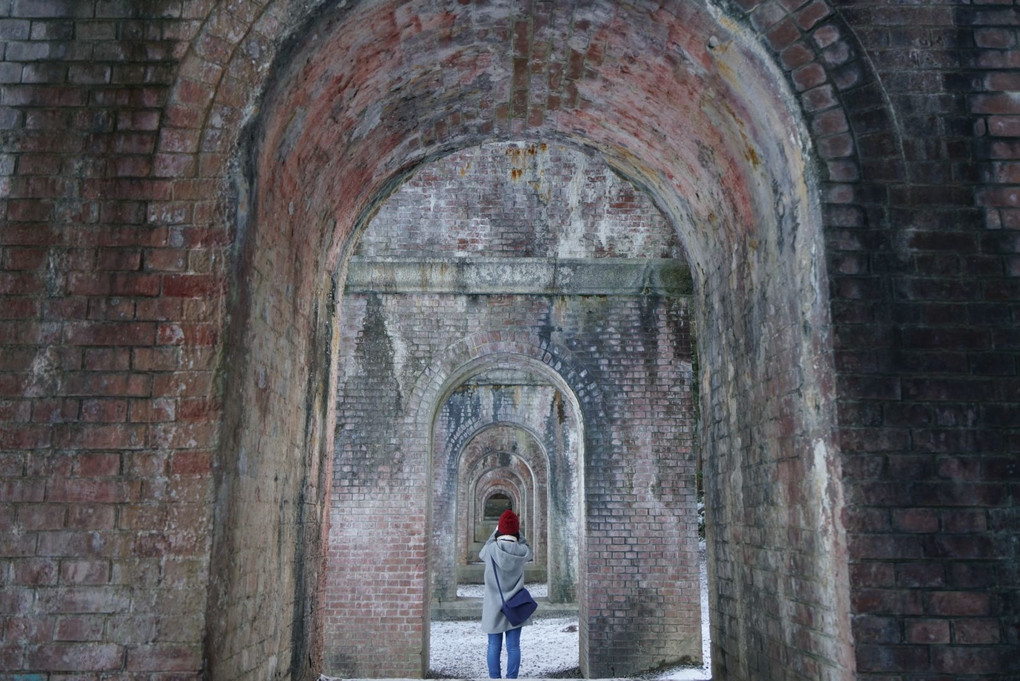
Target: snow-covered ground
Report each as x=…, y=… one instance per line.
x=548, y=646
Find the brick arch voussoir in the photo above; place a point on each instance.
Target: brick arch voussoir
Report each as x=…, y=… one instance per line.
x=492, y=489
x=522, y=475
x=484, y=493
x=474, y=353
x=840, y=95
x=223, y=72
x=479, y=427
x=489, y=481
x=466, y=432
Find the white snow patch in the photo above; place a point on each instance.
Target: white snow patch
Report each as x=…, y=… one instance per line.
x=548, y=648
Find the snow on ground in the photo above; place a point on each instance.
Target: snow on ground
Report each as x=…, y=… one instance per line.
x=548, y=646
x=548, y=649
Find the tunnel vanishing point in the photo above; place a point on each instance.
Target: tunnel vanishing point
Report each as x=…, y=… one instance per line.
x=291, y=289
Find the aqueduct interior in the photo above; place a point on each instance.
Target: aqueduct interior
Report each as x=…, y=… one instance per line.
x=555, y=296
x=739, y=197
x=188, y=195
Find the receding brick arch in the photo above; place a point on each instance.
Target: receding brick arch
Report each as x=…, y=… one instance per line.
x=509, y=459
x=522, y=351
x=461, y=362
x=486, y=465
x=551, y=497
x=123, y=122
x=581, y=397
x=685, y=180
x=491, y=452
x=486, y=493
x=488, y=484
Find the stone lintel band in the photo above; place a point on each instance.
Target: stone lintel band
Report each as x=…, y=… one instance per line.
x=521, y=276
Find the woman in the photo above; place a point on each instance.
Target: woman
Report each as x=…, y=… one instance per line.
x=509, y=551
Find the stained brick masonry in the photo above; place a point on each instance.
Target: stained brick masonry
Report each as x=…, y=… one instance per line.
x=637, y=578
x=179, y=182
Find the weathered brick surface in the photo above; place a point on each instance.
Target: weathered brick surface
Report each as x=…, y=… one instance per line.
x=927, y=330
x=82, y=90
x=634, y=445
x=120, y=123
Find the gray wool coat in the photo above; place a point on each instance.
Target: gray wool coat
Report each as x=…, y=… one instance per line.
x=510, y=558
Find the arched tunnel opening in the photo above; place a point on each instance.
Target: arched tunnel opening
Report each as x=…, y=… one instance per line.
x=725, y=162
x=192, y=306
x=594, y=267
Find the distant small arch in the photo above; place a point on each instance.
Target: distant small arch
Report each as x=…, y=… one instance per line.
x=495, y=505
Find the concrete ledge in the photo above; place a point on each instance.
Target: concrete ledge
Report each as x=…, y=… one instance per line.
x=522, y=276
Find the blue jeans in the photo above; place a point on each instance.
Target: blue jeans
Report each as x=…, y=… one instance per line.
x=513, y=653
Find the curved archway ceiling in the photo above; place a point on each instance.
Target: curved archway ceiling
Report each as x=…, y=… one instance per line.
x=683, y=117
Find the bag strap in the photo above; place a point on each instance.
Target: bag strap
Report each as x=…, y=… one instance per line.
x=496, y=573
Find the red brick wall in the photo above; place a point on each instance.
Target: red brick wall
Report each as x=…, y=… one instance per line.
x=122, y=128
x=111, y=284
x=925, y=307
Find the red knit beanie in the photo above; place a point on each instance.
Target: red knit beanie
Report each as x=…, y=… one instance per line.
x=508, y=523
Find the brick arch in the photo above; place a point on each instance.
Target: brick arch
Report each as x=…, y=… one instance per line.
x=225, y=67
x=559, y=554
x=521, y=352
x=473, y=355
x=285, y=152
x=487, y=493
x=842, y=99
x=487, y=484
x=523, y=478
x=574, y=379
x=459, y=363
x=98, y=121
